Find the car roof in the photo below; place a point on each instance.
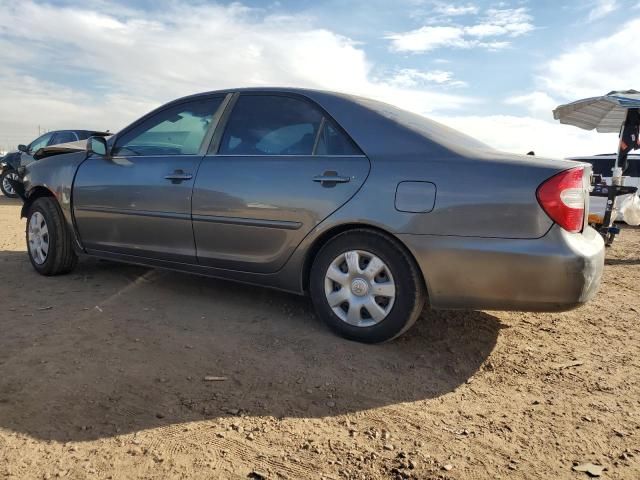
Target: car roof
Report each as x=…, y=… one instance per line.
x=301, y=91
x=314, y=94
x=82, y=130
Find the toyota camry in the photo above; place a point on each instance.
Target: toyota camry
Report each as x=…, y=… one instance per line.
x=369, y=209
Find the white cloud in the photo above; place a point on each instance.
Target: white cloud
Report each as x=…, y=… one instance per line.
x=425, y=39
x=522, y=134
x=434, y=12
x=409, y=78
x=538, y=104
x=602, y=8
x=596, y=67
x=143, y=59
x=449, y=10
x=508, y=21
x=496, y=23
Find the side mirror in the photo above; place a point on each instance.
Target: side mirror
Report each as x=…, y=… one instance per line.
x=97, y=145
x=23, y=148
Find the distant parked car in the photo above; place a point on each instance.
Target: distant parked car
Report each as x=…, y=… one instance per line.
x=12, y=161
x=603, y=165
x=370, y=209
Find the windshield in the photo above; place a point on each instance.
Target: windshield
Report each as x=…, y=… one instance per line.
x=40, y=142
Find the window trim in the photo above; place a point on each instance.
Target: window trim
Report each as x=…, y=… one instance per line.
x=214, y=147
x=202, y=150
x=320, y=133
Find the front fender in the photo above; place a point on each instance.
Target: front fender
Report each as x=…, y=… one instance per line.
x=54, y=177
x=12, y=160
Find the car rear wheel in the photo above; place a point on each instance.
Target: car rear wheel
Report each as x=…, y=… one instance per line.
x=48, y=239
x=5, y=186
x=366, y=287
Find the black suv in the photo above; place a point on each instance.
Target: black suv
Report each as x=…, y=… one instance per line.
x=12, y=161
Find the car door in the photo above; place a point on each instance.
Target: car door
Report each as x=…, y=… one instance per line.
x=137, y=200
x=279, y=167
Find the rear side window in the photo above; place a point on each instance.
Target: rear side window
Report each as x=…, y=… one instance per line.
x=271, y=125
x=333, y=141
x=64, y=137
x=177, y=130
x=83, y=135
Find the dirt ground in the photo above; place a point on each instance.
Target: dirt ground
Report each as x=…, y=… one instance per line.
x=102, y=375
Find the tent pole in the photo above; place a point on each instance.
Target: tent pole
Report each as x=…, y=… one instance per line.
x=616, y=180
x=616, y=177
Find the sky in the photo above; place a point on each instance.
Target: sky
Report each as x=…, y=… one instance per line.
x=493, y=69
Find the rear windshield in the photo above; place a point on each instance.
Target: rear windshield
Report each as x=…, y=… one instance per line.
x=435, y=131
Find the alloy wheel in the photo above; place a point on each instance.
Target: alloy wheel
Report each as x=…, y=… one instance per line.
x=7, y=187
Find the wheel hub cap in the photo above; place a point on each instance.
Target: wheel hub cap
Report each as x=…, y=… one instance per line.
x=359, y=288
x=38, y=237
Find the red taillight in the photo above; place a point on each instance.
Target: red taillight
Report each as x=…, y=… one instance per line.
x=562, y=197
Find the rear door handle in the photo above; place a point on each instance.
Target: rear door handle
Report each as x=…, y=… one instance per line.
x=178, y=176
x=330, y=178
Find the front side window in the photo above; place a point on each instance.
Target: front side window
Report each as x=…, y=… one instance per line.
x=177, y=130
x=271, y=125
x=40, y=142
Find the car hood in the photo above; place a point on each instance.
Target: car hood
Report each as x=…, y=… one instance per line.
x=70, y=147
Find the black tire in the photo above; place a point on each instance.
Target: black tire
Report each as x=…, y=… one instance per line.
x=3, y=188
x=410, y=292
x=60, y=258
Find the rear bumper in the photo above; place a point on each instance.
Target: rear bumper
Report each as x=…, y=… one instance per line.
x=557, y=272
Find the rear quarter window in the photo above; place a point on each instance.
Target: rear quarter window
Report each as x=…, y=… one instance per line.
x=333, y=141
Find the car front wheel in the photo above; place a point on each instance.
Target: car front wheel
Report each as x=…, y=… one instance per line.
x=366, y=287
x=5, y=186
x=49, y=241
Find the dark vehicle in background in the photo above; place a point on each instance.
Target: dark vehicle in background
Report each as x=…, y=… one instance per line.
x=12, y=161
x=369, y=209
x=603, y=165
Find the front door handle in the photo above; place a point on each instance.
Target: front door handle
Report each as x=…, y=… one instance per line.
x=330, y=178
x=178, y=176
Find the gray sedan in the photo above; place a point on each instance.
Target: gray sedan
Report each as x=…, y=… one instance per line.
x=371, y=210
